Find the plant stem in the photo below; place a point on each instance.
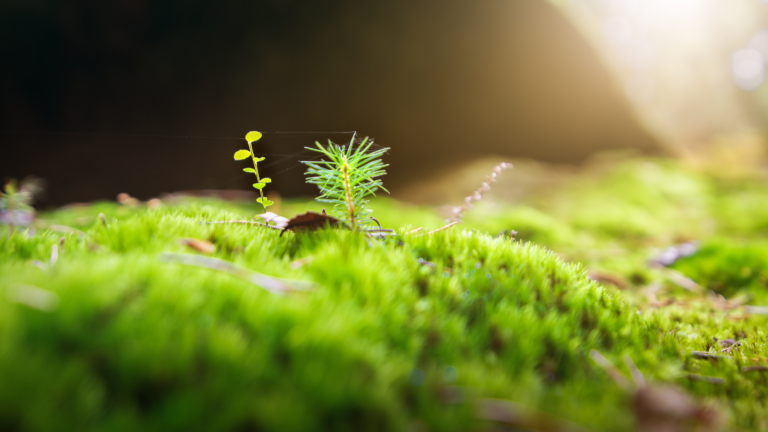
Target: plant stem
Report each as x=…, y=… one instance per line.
x=348, y=192
x=244, y=222
x=256, y=171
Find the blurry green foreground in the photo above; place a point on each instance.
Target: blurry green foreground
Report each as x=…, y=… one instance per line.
x=414, y=332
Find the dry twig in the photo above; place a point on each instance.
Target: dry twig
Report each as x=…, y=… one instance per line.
x=243, y=222
x=706, y=356
x=32, y=296
x=511, y=413
x=756, y=310
x=757, y=368
x=662, y=408
x=683, y=281
x=478, y=194
x=269, y=283
x=301, y=262
x=610, y=369
x=706, y=379
x=443, y=228
x=58, y=228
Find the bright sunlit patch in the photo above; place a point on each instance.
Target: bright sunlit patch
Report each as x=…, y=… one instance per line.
x=760, y=42
x=748, y=67
x=618, y=31
x=643, y=34
x=681, y=8
x=683, y=64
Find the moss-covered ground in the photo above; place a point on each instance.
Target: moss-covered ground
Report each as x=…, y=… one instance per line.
x=411, y=332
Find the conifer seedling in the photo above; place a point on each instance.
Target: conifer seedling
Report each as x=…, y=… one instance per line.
x=252, y=137
x=15, y=202
x=347, y=178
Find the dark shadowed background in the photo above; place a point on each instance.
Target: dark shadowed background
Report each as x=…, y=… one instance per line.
x=106, y=97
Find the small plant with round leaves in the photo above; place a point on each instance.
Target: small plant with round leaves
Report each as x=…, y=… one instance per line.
x=347, y=178
x=252, y=137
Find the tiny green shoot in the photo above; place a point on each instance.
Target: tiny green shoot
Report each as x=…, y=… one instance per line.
x=15, y=202
x=252, y=137
x=347, y=178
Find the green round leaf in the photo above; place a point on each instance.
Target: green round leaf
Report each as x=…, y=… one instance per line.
x=250, y=170
x=259, y=186
x=242, y=154
x=253, y=136
x=266, y=180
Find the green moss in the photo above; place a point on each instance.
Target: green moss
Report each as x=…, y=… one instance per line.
x=730, y=267
x=137, y=342
x=402, y=333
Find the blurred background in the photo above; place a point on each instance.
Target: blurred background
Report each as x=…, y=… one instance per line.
x=142, y=97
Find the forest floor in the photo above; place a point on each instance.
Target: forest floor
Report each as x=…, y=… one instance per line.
x=130, y=322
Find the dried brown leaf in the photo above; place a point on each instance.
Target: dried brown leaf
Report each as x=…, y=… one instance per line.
x=199, y=245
